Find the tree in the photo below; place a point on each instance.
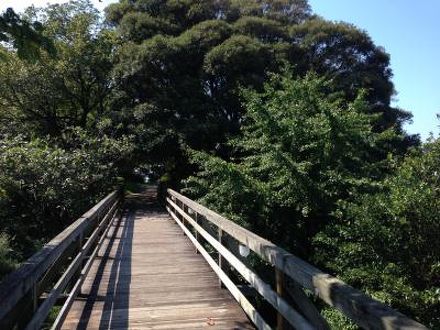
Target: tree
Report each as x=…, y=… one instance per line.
x=349, y=57
x=69, y=89
x=387, y=244
x=25, y=37
x=189, y=59
x=57, y=155
x=303, y=150
x=198, y=99
x=44, y=187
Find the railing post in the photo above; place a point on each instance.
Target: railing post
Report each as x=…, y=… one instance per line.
x=78, y=271
x=221, y=261
x=169, y=204
x=182, y=218
x=35, y=298
x=280, y=286
x=196, y=219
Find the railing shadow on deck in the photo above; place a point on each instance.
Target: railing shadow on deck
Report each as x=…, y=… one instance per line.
x=118, y=282
x=115, y=312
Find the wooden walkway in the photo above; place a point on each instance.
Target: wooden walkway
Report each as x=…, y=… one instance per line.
x=139, y=271
x=148, y=276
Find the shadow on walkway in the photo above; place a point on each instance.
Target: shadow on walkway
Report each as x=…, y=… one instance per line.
x=118, y=253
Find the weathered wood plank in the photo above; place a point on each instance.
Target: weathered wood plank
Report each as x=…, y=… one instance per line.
x=148, y=316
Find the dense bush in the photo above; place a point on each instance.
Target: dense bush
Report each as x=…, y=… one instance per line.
x=388, y=243
x=43, y=187
x=7, y=258
x=303, y=149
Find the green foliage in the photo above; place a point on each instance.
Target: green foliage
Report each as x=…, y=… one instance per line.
x=304, y=174
x=191, y=69
x=350, y=57
x=225, y=187
x=188, y=60
x=56, y=160
x=69, y=89
x=24, y=36
x=303, y=150
x=336, y=320
x=388, y=242
x=139, y=26
x=7, y=262
x=284, y=11
x=261, y=28
x=44, y=186
x=51, y=318
x=236, y=57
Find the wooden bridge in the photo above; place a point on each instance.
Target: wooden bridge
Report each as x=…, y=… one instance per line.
x=129, y=264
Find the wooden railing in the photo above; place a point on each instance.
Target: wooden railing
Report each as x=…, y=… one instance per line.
x=57, y=271
x=208, y=230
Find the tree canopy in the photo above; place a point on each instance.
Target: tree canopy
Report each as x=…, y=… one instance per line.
x=24, y=36
x=189, y=61
x=302, y=151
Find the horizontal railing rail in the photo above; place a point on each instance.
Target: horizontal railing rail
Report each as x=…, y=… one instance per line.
x=28, y=294
x=292, y=275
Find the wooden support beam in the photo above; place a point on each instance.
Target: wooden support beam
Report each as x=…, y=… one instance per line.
x=196, y=219
x=305, y=306
x=222, y=263
x=280, y=282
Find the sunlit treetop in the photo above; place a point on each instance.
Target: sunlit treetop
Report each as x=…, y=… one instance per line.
x=24, y=36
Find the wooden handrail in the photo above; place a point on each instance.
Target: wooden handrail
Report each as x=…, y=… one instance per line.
x=22, y=288
x=365, y=311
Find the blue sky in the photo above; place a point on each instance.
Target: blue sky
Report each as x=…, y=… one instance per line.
x=410, y=32
x=407, y=29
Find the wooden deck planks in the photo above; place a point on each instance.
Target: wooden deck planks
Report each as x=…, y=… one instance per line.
x=148, y=276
